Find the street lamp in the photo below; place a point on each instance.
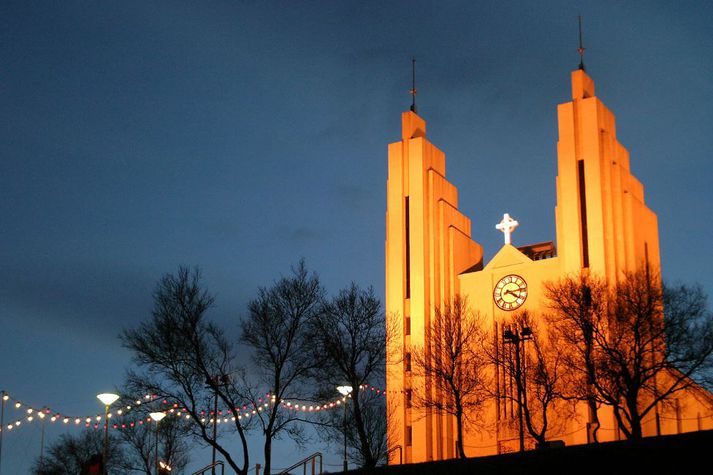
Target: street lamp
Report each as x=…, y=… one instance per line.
x=516, y=338
x=345, y=391
x=157, y=416
x=213, y=383
x=107, y=399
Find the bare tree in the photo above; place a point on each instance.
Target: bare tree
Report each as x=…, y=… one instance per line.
x=539, y=379
x=647, y=343
x=650, y=352
x=578, y=307
x=688, y=331
x=276, y=331
x=179, y=354
x=140, y=443
x=81, y=454
x=454, y=366
x=349, y=341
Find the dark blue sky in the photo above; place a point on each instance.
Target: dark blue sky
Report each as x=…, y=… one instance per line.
x=240, y=136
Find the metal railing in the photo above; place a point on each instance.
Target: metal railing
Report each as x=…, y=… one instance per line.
x=312, y=458
x=219, y=463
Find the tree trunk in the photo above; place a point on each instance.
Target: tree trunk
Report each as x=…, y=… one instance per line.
x=369, y=460
x=268, y=453
x=593, y=418
x=232, y=462
x=538, y=436
x=591, y=375
x=620, y=422
x=634, y=419
x=459, y=425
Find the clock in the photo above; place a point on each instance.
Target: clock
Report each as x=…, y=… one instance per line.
x=510, y=292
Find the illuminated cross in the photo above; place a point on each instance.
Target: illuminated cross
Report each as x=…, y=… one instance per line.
x=507, y=226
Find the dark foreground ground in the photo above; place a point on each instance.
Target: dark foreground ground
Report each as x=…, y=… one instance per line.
x=672, y=454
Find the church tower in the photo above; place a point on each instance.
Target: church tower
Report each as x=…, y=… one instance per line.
x=603, y=227
x=427, y=245
x=602, y=221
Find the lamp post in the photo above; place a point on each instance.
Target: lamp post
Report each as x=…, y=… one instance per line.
x=4, y=398
x=213, y=383
x=157, y=416
x=42, y=416
x=345, y=391
x=107, y=399
x=516, y=338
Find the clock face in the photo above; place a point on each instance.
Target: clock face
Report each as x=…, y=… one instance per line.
x=510, y=292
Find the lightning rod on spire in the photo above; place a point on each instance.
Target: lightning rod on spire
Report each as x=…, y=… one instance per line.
x=412, y=91
x=580, y=50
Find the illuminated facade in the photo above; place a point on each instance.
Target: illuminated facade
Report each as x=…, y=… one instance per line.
x=602, y=224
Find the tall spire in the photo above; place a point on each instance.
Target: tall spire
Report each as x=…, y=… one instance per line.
x=580, y=50
x=412, y=91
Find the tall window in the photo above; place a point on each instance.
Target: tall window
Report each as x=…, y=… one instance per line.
x=407, y=210
x=583, y=214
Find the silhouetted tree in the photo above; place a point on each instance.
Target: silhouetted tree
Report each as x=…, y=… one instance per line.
x=454, y=364
x=72, y=455
x=578, y=307
x=688, y=322
x=648, y=343
x=140, y=444
x=349, y=342
x=541, y=380
x=649, y=351
x=187, y=359
x=276, y=331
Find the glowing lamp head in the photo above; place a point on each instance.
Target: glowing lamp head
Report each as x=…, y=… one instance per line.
x=107, y=398
x=344, y=390
x=157, y=416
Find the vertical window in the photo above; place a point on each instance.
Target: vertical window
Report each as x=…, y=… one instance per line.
x=408, y=398
x=407, y=361
x=583, y=214
x=407, y=326
x=407, y=210
x=408, y=436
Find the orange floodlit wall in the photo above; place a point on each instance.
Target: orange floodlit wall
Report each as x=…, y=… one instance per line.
x=427, y=245
x=602, y=221
x=602, y=224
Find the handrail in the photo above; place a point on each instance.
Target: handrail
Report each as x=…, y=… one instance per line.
x=219, y=463
x=401, y=454
x=313, y=457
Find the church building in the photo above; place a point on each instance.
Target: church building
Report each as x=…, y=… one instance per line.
x=602, y=224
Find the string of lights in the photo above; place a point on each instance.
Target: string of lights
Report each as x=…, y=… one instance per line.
x=32, y=413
